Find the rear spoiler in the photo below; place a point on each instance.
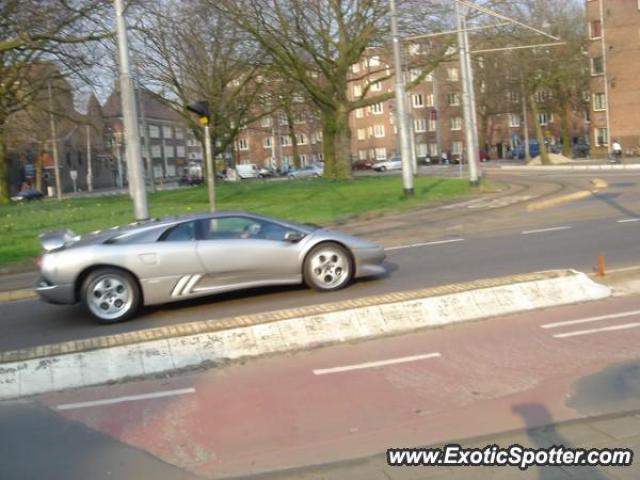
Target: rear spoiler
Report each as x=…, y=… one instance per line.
x=58, y=239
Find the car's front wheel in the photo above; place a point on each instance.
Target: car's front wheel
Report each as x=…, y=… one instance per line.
x=111, y=295
x=327, y=267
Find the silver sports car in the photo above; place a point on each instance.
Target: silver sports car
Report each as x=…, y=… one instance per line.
x=114, y=272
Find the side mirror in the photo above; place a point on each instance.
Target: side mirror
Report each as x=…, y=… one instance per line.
x=293, y=237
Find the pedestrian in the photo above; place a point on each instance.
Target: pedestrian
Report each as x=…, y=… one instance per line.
x=616, y=150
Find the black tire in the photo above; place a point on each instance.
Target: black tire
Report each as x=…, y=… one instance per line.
x=317, y=279
x=382, y=169
x=108, y=280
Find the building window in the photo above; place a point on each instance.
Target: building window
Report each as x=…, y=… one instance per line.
x=359, y=112
x=283, y=119
x=362, y=154
x=265, y=122
x=355, y=68
x=597, y=66
x=180, y=151
x=376, y=86
x=422, y=149
x=243, y=144
x=357, y=91
x=453, y=99
x=267, y=142
x=514, y=120
x=179, y=134
x=602, y=137
x=155, y=151
x=381, y=153
x=167, y=132
x=429, y=77
x=361, y=134
x=420, y=125
x=452, y=74
x=433, y=149
x=456, y=148
x=599, y=101
x=301, y=139
x=455, y=123
x=377, y=108
x=374, y=61
x=545, y=119
x=414, y=74
x=285, y=140
x=595, y=29
x=378, y=131
x=430, y=100
x=432, y=125
x=417, y=100
x=154, y=131
x=303, y=159
x=169, y=151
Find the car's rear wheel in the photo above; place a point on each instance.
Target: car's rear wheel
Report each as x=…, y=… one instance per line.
x=327, y=267
x=111, y=295
x=382, y=169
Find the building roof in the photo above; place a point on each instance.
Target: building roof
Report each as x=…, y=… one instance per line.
x=152, y=104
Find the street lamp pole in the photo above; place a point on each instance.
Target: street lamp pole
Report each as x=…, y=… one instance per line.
x=130, y=118
x=467, y=88
x=54, y=145
x=401, y=115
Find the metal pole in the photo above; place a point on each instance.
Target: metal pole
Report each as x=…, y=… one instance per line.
x=130, y=118
x=54, y=145
x=466, y=97
x=412, y=137
x=474, y=156
x=405, y=146
x=208, y=153
x=89, y=162
x=145, y=133
x=525, y=120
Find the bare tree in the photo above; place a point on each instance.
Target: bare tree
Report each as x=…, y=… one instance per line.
x=40, y=41
x=315, y=43
x=187, y=52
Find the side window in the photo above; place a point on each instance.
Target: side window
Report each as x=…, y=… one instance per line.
x=183, y=232
x=227, y=228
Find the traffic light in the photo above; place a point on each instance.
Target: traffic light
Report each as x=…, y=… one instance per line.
x=200, y=108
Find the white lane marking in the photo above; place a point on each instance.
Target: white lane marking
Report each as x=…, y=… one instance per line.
x=590, y=319
x=629, y=220
x=128, y=398
x=425, y=244
x=624, y=326
x=542, y=230
x=381, y=363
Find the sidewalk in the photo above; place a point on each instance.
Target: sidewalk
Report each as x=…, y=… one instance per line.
x=610, y=431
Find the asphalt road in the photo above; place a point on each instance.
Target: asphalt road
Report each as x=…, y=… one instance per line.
x=484, y=243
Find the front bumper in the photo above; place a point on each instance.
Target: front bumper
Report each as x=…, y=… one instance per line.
x=58, y=294
x=369, y=261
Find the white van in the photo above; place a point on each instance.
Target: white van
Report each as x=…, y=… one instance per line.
x=247, y=170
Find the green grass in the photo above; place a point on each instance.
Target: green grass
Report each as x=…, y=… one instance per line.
x=313, y=201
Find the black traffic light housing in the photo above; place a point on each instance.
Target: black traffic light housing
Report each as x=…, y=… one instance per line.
x=200, y=108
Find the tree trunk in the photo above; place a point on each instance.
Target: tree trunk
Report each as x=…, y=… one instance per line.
x=544, y=155
x=294, y=141
x=567, y=149
x=329, y=144
x=38, y=168
x=4, y=174
x=337, y=143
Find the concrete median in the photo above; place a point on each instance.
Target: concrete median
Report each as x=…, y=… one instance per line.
x=169, y=349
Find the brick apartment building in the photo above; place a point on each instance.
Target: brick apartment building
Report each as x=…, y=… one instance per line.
x=614, y=53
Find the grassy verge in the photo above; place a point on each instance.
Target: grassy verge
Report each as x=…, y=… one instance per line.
x=314, y=201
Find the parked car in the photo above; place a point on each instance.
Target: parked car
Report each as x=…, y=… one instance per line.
x=266, y=172
x=484, y=156
x=518, y=152
x=116, y=271
x=28, y=195
x=393, y=163
x=581, y=150
x=247, y=170
x=362, y=165
x=314, y=170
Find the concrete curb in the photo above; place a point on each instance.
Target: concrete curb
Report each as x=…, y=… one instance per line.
x=553, y=168
x=363, y=320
